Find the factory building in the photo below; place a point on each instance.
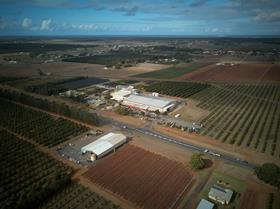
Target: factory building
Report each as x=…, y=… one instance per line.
x=103, y=145
x=149, y=103
x=122, y=92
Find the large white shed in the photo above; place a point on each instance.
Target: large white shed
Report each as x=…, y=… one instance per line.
x=104, y=144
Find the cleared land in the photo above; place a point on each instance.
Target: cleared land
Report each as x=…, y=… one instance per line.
x=148, y=180
x=71, y=69
x=174, y=71
x=37, y=126
x=244, y=72
x=78, y=197
x=190, y=111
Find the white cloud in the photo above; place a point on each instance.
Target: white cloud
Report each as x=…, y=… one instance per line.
x=26, y=23
x=89, y=26
x=269, y=17
x=46, y=25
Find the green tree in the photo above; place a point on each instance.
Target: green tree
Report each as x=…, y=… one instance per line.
x=269, y=173
x=197, y=162
x=122, y=110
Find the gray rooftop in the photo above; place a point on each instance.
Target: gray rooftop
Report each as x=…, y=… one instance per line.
x=205, y=204
x=220, y=193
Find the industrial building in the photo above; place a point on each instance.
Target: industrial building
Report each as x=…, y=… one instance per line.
x=123, y=92
x=103, y=145
x=220, y=194
x=149, y=103
x=205, y=204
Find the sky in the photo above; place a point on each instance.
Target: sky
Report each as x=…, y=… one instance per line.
x=140, y=17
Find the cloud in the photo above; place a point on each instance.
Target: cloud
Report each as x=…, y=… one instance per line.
x=2, y=23
x=46, y=25
x=197, y=3
x=128, y=11
x=26, y=23
x=269, y=17
x=89, y=26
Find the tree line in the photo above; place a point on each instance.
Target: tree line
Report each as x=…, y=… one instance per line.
x=52, y=106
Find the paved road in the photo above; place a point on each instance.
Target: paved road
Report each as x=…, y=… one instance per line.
x=212, y=152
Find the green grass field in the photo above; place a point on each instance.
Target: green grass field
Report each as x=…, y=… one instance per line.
x=237, y=185
x=174, y=71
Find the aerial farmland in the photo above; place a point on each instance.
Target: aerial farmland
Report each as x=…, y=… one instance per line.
x=139, y=104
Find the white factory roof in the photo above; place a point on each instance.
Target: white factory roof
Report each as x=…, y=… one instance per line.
x=158, y=102
x=104, y=143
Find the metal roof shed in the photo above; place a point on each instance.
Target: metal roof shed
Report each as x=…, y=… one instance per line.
x=205, y=204
x=105, y=144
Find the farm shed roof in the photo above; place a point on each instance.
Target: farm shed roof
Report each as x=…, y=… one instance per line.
x=205, y=204
x=220, y=194
x=104, y=143
x=158, y=102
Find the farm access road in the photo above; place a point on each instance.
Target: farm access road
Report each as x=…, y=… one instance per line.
x=212, y=153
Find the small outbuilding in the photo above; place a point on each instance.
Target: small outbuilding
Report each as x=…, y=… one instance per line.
x=205, y=204
x=104, y=145
x=220, y=194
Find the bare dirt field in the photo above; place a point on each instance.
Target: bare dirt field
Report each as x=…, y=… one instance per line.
x=244, y=72
x=191, y=112
x=69, y=69
x=146, y=179
x=162, y=148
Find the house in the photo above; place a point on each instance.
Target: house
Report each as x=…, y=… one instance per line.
x=220, y=194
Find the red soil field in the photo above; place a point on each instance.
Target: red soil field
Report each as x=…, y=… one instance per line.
x=245, y=72
x=249, y=200
x=148, y=180
x=273, y=74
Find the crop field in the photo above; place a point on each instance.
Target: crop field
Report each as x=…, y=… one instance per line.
x=35, y=47
x=27, y=176
x=243, y=115
x=111, y=59
x=148, y=180
x=178, y=89
x=83, y=82
x=248, y=200
x=76, y=196
x=174, y=71
x=53, y=88
x=237, y=73
x=37, y=126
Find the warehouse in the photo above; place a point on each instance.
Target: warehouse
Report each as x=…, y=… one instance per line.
x=150, y=103
x=122, y=92
x=103, y=145
x=220, y=194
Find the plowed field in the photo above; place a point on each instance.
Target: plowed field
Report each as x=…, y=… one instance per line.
x=246, y=72
x=146, y=179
